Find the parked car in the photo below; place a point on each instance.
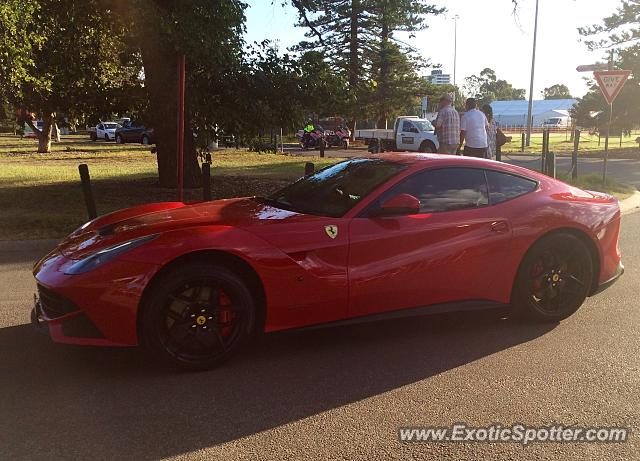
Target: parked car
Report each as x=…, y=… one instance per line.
x=28, y=133
x=133, y=131
x=104, y=130
x=379, y=237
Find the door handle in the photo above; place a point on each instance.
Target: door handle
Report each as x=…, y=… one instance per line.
x=499, y=226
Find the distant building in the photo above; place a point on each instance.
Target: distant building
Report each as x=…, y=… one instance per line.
x=438, y=78
x=514, y=113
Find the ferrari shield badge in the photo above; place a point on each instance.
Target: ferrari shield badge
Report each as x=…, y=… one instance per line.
x=331, y=230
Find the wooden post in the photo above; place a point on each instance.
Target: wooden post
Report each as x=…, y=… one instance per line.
x=206, y=182
x=180, y=147
x=574, y=155
x=309, y=168
x=87, y=191
x=322, y=146
x=523, y=140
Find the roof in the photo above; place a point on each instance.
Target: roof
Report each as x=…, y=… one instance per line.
x=521, y=106
x=415, y=162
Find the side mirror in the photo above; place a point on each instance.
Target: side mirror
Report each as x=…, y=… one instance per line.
x=401, y=204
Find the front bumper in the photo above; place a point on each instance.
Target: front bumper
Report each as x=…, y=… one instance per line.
x=96, y=308
x=71, y=328
x=607, y=283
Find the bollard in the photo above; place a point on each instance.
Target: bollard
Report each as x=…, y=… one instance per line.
x=523, y=139
x=309, y=169
x=322, y=146
x=206, y=182
x=543, y=157
x=87, y=191
x=574, y=155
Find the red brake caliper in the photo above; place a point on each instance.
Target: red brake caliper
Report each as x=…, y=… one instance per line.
x=225, y=318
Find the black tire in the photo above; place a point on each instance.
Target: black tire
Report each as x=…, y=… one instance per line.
x=427, y=147
x=554, y=278
x=145, y=140
x=119, y=139
x=345, y=143
x=197, y=316
x=106, y=137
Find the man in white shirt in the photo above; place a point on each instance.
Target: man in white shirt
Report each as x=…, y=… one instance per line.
x=473, y=131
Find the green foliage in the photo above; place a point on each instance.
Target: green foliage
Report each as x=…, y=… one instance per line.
x=487, y=88
x=358, y=40
x=557, y=91
x=60, y=56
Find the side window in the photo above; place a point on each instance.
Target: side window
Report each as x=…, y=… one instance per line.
x=445, y=189
x=504, y=186
x=407, y=126
x=100, y=126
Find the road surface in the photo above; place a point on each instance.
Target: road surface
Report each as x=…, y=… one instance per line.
x=336, y=393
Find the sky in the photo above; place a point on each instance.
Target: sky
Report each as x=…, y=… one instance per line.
x=489, y=35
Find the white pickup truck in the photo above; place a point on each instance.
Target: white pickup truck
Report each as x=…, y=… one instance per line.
x=409, y=133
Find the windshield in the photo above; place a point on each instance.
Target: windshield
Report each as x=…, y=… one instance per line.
x=110, y=126
x=335, y=190
x=423, y=125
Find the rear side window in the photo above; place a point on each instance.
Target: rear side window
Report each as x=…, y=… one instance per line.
x=503, y=186
x=446, y=189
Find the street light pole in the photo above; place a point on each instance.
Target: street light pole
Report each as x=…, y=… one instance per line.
x=533, y=68
x=455, y=47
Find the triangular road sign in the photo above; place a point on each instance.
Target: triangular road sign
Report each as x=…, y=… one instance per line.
x=611, y=82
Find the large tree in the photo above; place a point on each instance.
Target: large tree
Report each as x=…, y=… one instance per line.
x=557, y=91
x=56, y=57
x=486, y=88
x=357, y=38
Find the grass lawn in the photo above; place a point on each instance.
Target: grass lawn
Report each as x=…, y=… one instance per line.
x=562, y=143
x=594, y=182
x=40, y=194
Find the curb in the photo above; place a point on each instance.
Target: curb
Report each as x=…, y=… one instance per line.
x=631, y=204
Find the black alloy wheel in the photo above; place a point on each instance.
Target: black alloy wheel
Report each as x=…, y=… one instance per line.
x=199, y=316
x=554, y=278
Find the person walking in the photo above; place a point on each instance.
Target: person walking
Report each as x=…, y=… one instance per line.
x=473, y=131
x=492, y=130
x=447, y=126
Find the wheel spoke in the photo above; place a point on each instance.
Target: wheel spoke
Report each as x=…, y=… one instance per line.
x=181, y=299
x=218, y=335
x=576, y=280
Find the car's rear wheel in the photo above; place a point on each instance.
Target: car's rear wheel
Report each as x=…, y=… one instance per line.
x=554, y=278
x=197, y=316
x=119, y=139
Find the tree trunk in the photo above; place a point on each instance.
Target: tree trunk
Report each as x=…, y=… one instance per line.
x=354, y=62
x=161, y=80
x=384, y=72
x=56, y=132
x=44, y=135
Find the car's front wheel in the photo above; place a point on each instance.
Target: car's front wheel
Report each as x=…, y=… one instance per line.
x=554, y=278
x=119, y=139
x=197, y=316
x=145, y=139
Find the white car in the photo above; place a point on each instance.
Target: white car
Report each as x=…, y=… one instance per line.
x=105, y=130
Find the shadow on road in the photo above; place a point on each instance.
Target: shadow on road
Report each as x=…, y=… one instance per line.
x=91, y=403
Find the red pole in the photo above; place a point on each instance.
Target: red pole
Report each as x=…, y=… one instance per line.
x=180, y=147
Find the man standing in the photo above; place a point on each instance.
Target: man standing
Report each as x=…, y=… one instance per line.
x=473, y=134
x=447, y=126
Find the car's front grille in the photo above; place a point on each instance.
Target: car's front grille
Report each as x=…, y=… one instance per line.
x=54, y=304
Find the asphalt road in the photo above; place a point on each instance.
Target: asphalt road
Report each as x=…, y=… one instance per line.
x=327, y=394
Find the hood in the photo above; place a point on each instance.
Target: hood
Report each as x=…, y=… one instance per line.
x=151, y=219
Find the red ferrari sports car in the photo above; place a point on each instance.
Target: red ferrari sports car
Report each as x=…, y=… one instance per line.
x=388, y=235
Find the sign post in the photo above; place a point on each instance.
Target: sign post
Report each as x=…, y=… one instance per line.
x=610, y=83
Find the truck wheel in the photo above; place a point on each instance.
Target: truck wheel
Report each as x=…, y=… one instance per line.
x=427, y=147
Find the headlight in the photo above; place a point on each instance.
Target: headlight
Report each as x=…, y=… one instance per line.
x=99, y=258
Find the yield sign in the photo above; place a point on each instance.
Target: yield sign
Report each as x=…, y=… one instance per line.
x=611, y=82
